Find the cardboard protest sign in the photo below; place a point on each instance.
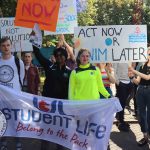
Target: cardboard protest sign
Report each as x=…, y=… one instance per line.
x=18, y=35
x=116, y=43
x=45, y=13
x=67, y=19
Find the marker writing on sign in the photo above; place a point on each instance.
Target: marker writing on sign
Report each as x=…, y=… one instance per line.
x=128, y=54
x=111, y=32
x=89, y=32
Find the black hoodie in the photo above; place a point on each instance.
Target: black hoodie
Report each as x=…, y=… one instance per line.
x=57, y=80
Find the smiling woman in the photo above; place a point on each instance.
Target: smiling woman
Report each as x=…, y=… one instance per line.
x=86, y=80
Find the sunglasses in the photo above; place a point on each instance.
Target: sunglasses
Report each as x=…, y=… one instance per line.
x=148, y=54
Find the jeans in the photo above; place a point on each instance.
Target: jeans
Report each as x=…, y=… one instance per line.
x=123, y=91
x=132, y=96
x=143, y=106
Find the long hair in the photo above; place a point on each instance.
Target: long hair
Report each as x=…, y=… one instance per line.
x=80, y=53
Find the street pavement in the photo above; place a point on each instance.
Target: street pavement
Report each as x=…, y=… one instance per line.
x=127, y=140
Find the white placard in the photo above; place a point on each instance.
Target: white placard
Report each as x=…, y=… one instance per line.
x=18, y=35
x=115, y=43
x=67, y=18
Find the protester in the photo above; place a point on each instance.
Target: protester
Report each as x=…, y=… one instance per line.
x=86, y=80
x=123, y=89
x=31, y=81
x=11, y=75
x=9, y=70
x=56, y=80
x=143, y=98
x=107, y=76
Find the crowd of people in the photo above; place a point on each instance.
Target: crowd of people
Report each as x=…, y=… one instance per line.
x=67, y=77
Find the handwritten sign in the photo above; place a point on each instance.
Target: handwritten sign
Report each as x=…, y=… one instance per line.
x=67, y=19
x=18, y=35
x=120, y=43
x=45, y=13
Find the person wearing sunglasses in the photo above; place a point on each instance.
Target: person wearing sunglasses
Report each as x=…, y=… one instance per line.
x=143, y=98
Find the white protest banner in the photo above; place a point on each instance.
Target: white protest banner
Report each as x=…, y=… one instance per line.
x=67, y=18
x=78, y=125
x=114, y=43
x=18, y=35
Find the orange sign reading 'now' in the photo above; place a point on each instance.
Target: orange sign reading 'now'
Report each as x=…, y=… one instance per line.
x=43, y=12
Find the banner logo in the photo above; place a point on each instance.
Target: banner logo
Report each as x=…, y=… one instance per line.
x=49, y=107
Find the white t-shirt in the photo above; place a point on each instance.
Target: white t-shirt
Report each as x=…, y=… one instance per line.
x=9, y=73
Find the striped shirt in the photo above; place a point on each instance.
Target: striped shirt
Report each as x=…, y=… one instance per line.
x=105, y=79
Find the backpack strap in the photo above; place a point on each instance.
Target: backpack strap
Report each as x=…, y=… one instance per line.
x=17, y=62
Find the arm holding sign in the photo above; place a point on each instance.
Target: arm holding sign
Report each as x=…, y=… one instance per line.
x=42, y=60
x=68, y=47
x=36, y=40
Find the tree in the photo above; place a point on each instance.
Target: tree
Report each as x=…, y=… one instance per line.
x=8, y=8
x=114, y=12
x=87, y=17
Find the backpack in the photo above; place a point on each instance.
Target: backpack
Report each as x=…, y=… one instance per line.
x=17, y=62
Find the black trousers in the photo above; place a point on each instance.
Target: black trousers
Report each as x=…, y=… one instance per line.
x=122, y=92
x=46, y=145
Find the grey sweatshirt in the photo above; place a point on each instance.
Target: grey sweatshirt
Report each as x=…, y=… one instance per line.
x=121, y=72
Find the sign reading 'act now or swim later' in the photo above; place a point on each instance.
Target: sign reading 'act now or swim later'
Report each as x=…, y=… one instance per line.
x=45, y=13
x=116, y=43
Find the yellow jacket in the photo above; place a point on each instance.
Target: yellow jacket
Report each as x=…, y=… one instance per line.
x=86, y=83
